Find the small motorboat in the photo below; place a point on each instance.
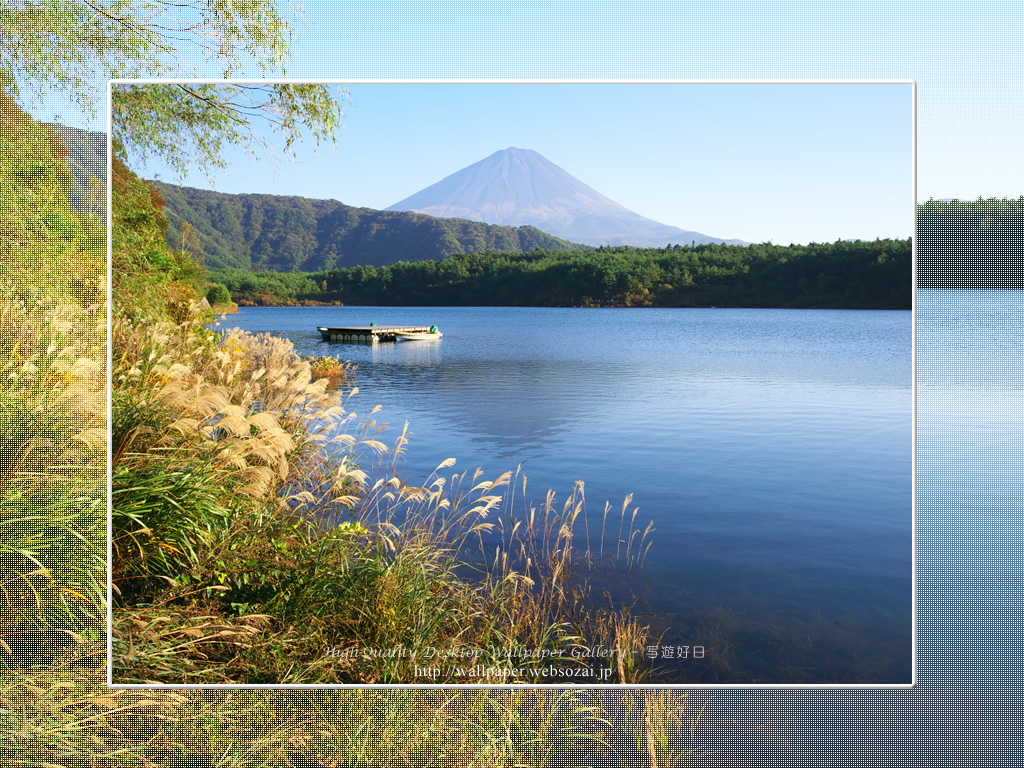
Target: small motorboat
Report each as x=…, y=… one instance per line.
x=430, y=335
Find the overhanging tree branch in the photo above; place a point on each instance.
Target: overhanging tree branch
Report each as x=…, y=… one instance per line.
x=187, y=124
x=73, y=45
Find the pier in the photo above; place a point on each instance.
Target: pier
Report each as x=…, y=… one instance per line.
x=369, y=333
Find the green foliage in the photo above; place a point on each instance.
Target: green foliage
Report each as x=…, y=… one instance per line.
x=188, y=125
x=857, y=274
x=159, y=271
x=37, y=228
x=67, y=46
x=150, y=281
x=971, y=244
x=218, y=294
x=267, y=288
x=161, y=514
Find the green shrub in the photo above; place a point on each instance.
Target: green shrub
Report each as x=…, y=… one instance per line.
x=218, y=294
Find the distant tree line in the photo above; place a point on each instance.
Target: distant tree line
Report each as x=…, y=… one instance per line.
x=287, y=233
x=844, y=274
x=971, y=243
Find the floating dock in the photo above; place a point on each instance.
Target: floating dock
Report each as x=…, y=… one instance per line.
x=369, y=333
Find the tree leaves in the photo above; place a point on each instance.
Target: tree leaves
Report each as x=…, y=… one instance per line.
x=188, y=125
x=71, y=45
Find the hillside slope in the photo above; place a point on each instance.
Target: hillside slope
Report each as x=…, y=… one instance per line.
x=286, y=233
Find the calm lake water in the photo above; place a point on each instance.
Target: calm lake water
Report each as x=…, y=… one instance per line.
x=772, y=449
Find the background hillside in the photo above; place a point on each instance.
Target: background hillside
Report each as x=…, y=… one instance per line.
x=282, y=234
x=84, y=157
x=979, y=241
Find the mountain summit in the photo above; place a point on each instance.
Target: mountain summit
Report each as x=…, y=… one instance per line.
x=515, y=187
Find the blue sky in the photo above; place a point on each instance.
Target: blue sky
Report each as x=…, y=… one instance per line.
x=965, y=58
x=781, y=162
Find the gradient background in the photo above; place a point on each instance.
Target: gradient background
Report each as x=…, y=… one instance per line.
x=967, y=60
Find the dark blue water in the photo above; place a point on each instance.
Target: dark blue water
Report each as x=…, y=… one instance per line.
x=772, y=449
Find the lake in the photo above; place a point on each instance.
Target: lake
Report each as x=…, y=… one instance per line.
x=772, y=449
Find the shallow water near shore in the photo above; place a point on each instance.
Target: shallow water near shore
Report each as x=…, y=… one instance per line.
x=772, y=449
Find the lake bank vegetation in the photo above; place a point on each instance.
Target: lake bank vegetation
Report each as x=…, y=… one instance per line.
x=842, y=275
x=261, y=535
x=251, y=543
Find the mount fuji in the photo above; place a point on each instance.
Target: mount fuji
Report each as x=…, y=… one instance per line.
x=515, y=187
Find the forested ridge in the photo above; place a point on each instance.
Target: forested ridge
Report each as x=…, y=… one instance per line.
x=961, y=244
x=286, y=233
x=858, y=274
x=971, y=243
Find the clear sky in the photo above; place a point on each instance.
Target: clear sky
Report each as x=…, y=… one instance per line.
x=780, y=162
x=966, y=59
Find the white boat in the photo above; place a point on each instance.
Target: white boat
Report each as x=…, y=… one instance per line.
x=428, y=336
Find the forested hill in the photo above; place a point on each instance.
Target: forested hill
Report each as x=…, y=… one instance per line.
x=850, y=275
x=971, y=243
x=282, y=234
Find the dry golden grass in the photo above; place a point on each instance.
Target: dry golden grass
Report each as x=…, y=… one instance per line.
x=52, y=454
x=60, y=720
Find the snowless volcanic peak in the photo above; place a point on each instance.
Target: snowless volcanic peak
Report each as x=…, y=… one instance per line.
x=516, y=187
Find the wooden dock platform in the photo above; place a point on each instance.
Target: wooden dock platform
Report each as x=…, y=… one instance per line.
x=369, y=333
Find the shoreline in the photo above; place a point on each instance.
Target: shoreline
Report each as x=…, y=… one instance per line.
x=312, y=303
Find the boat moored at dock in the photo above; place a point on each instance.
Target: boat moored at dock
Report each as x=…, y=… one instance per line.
x=430, y=335
x=373, y=333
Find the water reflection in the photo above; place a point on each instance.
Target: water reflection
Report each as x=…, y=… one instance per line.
x=473, y=397
x=427, y=353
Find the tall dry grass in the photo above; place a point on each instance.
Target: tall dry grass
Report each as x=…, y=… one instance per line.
x=200, y=422
x=55, y=720
x=258, y=538
x=52, y=501
x=530, y=568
